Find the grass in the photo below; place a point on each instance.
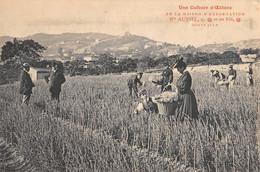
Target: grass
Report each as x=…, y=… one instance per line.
x=94, y=128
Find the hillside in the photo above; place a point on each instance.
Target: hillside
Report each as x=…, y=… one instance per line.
x=79, y=45
x=71, y=46
x=252, y=43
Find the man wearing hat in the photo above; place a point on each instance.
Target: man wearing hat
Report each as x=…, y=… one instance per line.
x=167, y=78
x=56, y=80
x=132, y=83
x=26, y=84
x=232, y=74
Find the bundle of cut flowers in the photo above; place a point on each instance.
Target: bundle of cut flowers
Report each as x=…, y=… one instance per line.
x=167, y=97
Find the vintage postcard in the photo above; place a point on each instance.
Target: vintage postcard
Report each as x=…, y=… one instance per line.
x=117, y=85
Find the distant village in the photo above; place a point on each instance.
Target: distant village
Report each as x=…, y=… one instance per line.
x=95, y=54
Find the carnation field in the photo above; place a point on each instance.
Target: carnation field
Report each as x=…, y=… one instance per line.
x=94, y=127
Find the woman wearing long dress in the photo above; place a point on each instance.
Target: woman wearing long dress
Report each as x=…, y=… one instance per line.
x=187, y=103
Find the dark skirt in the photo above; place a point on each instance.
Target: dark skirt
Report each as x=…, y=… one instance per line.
x=187, y=106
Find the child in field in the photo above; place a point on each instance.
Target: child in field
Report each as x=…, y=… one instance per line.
x=146, y=104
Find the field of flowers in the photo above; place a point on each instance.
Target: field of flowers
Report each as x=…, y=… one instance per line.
x=94, y=128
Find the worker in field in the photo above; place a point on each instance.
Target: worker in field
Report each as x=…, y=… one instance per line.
x=146, y=104
x=167, y=78
x=26, y=84
x=211, y=73
x=132, y=83
x=56, y=79
x=187, y=102
x=219, y=78
x=249, y=75
x=232, y=75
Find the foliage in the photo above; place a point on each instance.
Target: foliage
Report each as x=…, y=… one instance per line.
x=42, y=63
x=188, y=50
x=163, y=61
x=247, y=51
x=74, y=67
x=9, y=72
x=14, y=54
x=128, y=64
x=21, y=51
x=107, y=62
x=226, y=57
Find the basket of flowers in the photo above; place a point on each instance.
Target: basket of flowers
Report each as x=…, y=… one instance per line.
x=167, y=102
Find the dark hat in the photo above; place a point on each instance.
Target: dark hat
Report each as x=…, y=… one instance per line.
x=180, y=63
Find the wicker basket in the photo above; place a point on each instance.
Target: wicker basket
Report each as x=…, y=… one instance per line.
x=167, y=108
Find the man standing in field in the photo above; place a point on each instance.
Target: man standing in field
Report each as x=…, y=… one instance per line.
x=132, y=83
x=26, y=84
x=56, y=80
x=249, y=75
x=232, y=75
x=167, y=78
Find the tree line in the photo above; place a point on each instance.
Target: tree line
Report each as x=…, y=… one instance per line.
x=16, y=52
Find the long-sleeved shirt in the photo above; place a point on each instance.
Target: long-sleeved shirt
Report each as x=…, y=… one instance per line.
x=56, y=80
x=133, y=80
x=26, y=83
x=250, y=70
x=167, y=76
x=221, y=76
x=184, y=83
x=232, y=72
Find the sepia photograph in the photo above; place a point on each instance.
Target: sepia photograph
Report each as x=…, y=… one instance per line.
x=129, y=86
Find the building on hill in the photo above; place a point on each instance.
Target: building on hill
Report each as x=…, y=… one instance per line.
x=89, y=65
x=128, y=33
x=38, y=73
x=171, y=52
x=90, y=58
x=248, y=58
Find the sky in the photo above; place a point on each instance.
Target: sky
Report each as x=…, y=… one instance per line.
x=20, y=18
